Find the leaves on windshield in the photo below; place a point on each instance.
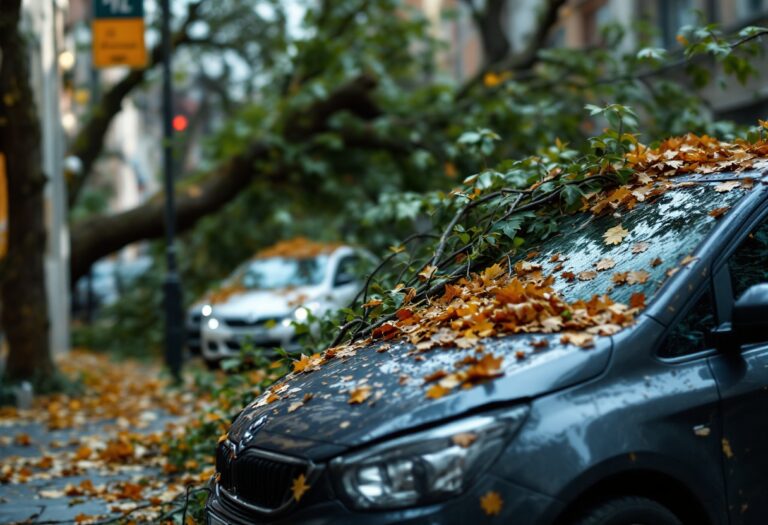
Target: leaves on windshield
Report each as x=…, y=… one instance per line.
x=719, y=212
x=615, y=235
x=727, y=186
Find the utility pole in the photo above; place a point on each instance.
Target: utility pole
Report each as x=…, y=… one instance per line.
x=172, y=287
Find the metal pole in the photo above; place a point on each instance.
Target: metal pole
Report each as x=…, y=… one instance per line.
x=172, y=287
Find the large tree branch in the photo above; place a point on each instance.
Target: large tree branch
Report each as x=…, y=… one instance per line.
x=528, y=57
x=89, y=142
x=99, y=236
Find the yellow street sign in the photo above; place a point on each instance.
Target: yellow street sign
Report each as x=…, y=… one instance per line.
x=119, y=42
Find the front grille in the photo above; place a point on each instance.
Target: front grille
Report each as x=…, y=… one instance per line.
x=224, y=456
x=241, y=322
x=256, y=479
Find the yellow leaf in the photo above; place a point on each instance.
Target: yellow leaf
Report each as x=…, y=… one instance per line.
x=299, y=487
x=359, y=394
x=491, y=503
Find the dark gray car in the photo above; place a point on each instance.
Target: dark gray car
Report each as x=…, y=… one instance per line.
x=661, y=423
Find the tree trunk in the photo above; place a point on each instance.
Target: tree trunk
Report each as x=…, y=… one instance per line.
x=22, y=282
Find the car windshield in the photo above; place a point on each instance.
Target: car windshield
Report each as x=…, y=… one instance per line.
x=661, y=234
x=282, y=272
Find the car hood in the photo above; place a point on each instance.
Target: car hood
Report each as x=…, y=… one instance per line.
x=267, y=303
x=327, y=424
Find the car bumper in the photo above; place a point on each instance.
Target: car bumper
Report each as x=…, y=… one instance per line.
x=520, y=505
x=225, y=341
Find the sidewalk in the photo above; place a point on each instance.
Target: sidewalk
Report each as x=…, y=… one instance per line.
x=96, y=456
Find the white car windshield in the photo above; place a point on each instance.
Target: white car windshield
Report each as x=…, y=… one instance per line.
x=282, y=272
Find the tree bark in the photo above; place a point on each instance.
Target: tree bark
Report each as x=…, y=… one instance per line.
x=524, y=60
x=489, y=22
x=22, y=282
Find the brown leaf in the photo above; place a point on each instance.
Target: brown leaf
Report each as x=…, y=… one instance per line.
x=637, y=300
x=587, y=275
x=718, y=212
x=640, y=247
x=638, y=277
x=605, y=264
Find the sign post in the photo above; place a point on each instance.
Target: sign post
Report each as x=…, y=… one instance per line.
x=174, y=317
x=118, y=33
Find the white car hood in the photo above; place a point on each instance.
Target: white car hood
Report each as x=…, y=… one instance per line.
x=266, y=303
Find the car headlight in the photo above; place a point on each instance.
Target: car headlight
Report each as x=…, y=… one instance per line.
x=213, y=323
x=426, y=466
x=206, y=310
x=301, y=313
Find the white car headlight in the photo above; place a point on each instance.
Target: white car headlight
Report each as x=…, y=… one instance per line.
x=427, y=466
x=300, y=314
x=206, y=310
x=213, y=323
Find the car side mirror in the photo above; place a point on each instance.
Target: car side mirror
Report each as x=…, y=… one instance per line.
x=749, y=321
x=750, y=315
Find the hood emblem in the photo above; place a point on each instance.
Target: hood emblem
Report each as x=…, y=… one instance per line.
x=249, y=434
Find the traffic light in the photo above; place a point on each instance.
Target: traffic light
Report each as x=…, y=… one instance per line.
x=180, y=123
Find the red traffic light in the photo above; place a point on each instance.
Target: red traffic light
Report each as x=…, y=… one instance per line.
x=179, y=122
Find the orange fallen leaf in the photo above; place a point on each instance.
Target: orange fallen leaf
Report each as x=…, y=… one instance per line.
x=299, y=487
x=359, y=394
x=491, y=503
x=718, y=212
x=587, y=275
x=436, y=391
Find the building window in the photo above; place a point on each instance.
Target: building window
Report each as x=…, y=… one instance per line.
x=674, y=14
x=594, y=17
x=748, y=9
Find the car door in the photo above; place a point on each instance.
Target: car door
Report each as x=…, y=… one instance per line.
x=742, y=377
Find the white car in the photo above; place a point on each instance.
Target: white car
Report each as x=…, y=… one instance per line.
x=271, y=293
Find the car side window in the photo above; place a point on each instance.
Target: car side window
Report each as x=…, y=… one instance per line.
x=347, y=270
x=687, y=335
x=748, y=265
